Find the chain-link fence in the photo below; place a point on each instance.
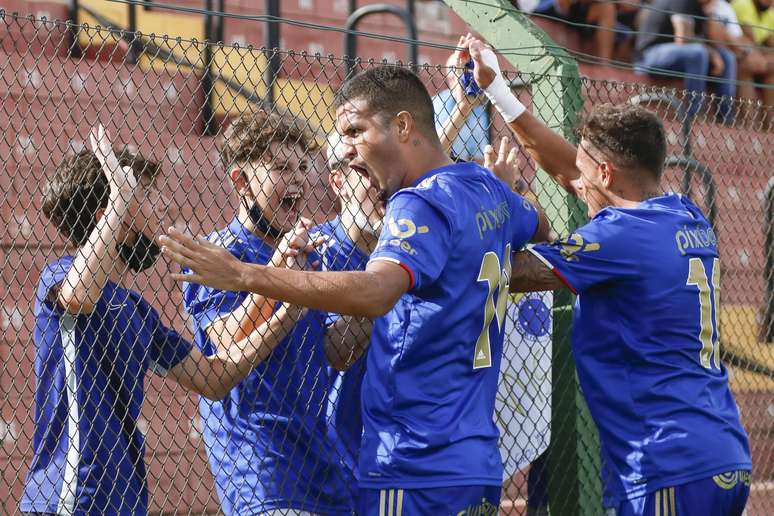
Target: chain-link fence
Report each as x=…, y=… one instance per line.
x=283, y=431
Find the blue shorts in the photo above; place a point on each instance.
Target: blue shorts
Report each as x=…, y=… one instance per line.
x=721, y=495
x=440, y=501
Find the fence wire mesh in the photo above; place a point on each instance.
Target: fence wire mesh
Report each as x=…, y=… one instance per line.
x=145, y=441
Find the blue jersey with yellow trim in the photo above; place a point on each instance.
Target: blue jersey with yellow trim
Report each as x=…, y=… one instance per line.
x=645, y=341
x=433, y=362
x=345, y=424
x=88, y=453
x=266, y=441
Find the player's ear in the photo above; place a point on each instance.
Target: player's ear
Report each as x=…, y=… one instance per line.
x=405, y=125
x=607, y=172
x=336, y=182
x=99, y=214
x=238, y=179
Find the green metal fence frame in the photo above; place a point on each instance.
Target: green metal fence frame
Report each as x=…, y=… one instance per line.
x=557, y=100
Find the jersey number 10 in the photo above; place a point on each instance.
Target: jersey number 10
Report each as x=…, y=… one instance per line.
x=709, y=309
x=496, y=279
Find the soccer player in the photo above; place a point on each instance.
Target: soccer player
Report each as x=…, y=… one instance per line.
x=266, y=441
x=645, y=332
x=95, y=340
x=349, y=239
x=437, y=286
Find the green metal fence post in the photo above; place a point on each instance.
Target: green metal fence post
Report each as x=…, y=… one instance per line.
x=574, y=464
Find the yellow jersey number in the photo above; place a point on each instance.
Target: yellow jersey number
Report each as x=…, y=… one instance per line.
x=709, y=304
x=497, y=279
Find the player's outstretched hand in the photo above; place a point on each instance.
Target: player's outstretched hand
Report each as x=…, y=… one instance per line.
x=209, y=264
x=504, y=163
x=485, y=67
x=122, y=182
x=294, y=248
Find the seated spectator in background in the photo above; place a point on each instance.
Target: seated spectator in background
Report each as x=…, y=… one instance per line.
x=461, y=120
x=583, y=13
x=674, y=38
x=626, y=24
x=757, y=20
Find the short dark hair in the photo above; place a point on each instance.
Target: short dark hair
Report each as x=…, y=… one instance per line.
x=248, y=137
x=78, y=189
x=630, y=135
x=388, y=90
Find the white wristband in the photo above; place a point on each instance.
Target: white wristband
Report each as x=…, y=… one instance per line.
x=499, y=93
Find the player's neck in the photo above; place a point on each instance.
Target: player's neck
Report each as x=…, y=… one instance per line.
x=424, y=158
x=631, y=197
x=250, y=226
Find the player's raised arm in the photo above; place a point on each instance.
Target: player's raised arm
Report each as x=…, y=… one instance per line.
x=256, y=309
x=550, y=150
x=370, y=293
x=214, y=376
x=95, y=260
x=464, y=104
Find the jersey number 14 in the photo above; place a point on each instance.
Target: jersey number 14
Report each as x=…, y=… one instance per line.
x=709, y=307
x=496, y=279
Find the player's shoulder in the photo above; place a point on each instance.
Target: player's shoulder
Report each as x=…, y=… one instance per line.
x=442, y=186
x=54, y=272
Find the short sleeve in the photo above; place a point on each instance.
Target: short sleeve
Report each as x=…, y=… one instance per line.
x=416, y=236
x=167, y=348
x=524, y=221
x=599, y=252
x=207, y=305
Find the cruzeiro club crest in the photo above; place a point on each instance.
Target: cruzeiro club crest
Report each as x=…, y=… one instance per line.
x=533, y=316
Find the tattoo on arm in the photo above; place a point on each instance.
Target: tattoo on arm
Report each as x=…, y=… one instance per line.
x=529, y=274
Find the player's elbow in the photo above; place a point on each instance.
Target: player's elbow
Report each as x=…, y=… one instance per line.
x=73, y=303
x=374, y=310
x=216, y=391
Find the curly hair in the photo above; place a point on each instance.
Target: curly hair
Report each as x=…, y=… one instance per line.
x=630, y=135
x=249, y=137
x=78, y=189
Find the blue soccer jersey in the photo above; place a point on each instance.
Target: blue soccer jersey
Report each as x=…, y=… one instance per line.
x=345, y=424
x=645, y=341
x=88, y=454
x=433, y=362
x=266, y=441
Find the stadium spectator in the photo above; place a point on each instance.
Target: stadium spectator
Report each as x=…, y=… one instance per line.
x=584, y=16
x=667, y=42
x=757, y=21
x=645, y=334
x=349, y=239
x=266, y=441
x=429, y=441
x=460, y=116
x=95, y=340
x=752, y=63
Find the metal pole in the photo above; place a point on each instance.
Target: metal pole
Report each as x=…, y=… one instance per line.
x=350, y=40
x=132, y=55
x=221, y=20
x=272, y=43
x=209, y=128
x=74, y=45
x=767, y=329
